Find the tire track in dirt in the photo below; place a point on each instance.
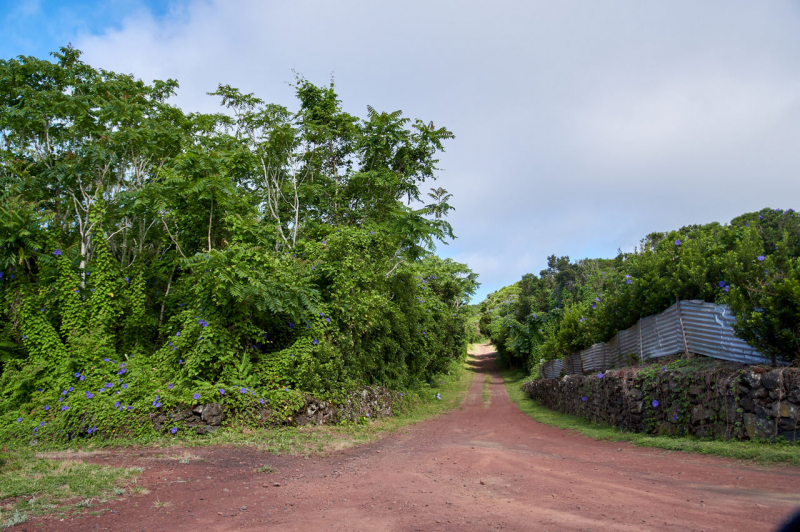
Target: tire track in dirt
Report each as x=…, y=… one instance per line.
x=475, y=468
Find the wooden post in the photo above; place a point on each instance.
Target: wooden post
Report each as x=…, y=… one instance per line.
x=641, y=343
x=683, y=331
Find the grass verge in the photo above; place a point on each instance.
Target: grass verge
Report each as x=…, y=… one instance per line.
x=761, y=452
x=31, y=486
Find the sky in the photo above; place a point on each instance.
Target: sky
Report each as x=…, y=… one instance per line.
x=580, y=126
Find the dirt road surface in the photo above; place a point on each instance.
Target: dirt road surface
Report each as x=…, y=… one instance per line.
x=480, y=467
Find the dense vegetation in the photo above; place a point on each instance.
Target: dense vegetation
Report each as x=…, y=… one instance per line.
x=151, y=257
x=750, y=264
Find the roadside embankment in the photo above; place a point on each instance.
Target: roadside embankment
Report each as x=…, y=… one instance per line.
x=698, y=398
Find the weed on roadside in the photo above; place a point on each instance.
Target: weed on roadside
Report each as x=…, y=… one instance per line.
x=31, y=486
x=486, y=392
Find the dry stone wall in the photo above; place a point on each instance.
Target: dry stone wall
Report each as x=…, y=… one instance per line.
x=369, y=402
x=722, y=401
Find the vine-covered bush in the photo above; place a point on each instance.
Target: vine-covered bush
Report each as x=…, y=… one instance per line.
x=750, y=264
x=151, y=258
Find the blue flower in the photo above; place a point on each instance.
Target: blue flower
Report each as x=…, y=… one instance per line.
x=196, y=396
x=77, y=375
x=314, y=341
x=82, y=377
x=761, y=258
x=221, y=391
x=106, y=360
x=57, y=252
x=70, y=389
x=655, y=403
x=291, y=325
x=242, y=390
x=721, y=284
x=19, y=419
x=583, y=398
x=677, y=242
x=116, y=405
x=727, y=288
x=124, y=386
x=178, y=333
x=169, y=386
x=109, y=385
x=46, y=407
x=261, y=400
x=89, y=395
x=599, y=375
x=174, y=430
x=328, y=320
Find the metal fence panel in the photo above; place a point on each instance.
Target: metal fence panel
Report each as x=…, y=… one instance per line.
x=628, y=341
x=572, y=364
x=552, y=369
x=613, y=354
x=708, y=328
x=594, y=358
x=709, y=332
x=661, y=334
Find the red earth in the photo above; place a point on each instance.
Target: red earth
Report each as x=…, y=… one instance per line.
x=479, y=467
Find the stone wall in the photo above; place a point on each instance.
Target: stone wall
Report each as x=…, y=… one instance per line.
x=369, y=402
x=725, y=400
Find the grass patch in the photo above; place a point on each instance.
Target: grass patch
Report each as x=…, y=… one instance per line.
x=265, y=469
x=486, y=393
x=32, y=486
x=761, y=452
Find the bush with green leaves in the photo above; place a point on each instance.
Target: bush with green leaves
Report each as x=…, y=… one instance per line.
x=150, y=258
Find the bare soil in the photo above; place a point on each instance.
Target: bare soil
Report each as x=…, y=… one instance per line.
x=475, y=468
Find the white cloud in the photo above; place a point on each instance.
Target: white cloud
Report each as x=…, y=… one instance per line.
x=580, y=127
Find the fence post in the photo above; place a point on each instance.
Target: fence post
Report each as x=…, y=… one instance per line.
x=683, y=332
x=641, y=343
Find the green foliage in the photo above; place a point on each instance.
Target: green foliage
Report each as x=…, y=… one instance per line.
x=750, y=264
x=173, y=255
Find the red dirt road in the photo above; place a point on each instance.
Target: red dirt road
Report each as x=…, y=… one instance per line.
x=476, y=468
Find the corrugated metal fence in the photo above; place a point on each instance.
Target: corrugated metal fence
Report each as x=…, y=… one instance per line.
x=699, y=327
